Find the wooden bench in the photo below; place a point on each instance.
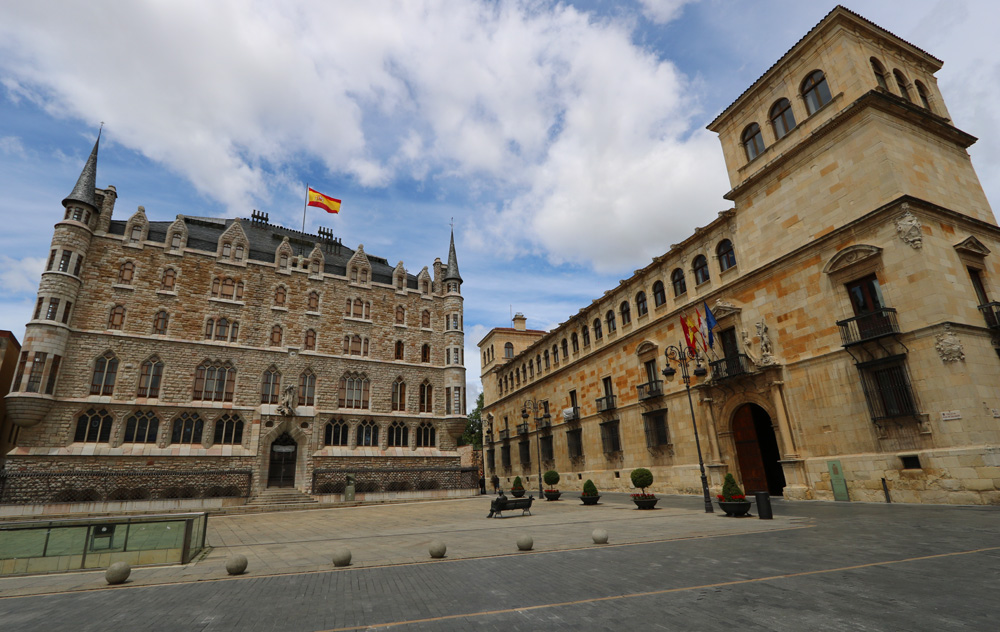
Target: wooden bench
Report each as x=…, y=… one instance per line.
x=502, y=504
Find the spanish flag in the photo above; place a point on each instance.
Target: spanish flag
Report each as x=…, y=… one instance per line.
x=325, y=202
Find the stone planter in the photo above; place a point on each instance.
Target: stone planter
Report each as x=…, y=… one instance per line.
x=552, y=495
x=590, y=500
x=735, y=509
x=645, y=503
x=517, y=493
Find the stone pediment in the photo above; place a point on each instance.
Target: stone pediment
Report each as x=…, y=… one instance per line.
x=724, y=308
x=850, y=256
x=972, y=246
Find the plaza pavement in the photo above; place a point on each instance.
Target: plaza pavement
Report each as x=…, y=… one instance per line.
x=817, y=566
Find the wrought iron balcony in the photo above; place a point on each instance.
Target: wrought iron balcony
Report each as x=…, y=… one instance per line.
x=504, y=434
x=991, y=312
x=732, y=366
x=881, y=322
x=545, y=422
x=650, y=390
x=605, y=403
x=522, y=428
x=571, y=414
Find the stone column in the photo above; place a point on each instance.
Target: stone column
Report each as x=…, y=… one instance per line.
x=787, y=442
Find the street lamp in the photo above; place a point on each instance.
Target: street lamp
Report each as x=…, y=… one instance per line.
x=535, y=407
x=681, y=357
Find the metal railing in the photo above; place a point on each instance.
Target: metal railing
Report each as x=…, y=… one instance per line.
x=991, y=312
x=605, y=403
x=881, y=322
x=571, y=414
x=650, y=390
x=504, y=434
x=522, y=428
x=731, y=366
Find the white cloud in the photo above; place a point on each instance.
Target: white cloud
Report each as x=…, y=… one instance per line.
x=663, y=11
x=11, y=145
x=18, y=276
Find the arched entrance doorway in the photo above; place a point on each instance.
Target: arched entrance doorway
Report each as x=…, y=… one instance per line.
x=281, y=471
x=757, y=451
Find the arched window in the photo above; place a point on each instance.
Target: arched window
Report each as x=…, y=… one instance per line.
x=425, y=353
x=626, y=313
x=425, y=287
x=640, y=304
x=126, y=272
x=227, y=249
x=228, y=288
x=221, y=330
x=508, y=350
x=400, y=350
x=214, y=382
x=276, y=336
x=283, y=261
x=141, y=427
x=879, y=74
x=363, y=276
x=400, y=315
x=815, y=92
x=399, y=394
x=93, y=426
x=160, y=322
x=425, y=319
x=168, y=279
x=659, y=294
x=585, y=332
x=922, y=93
x=555, y=355
x=597, y=329
x=307, y=388
x=353, y=391
x=565, y=349
x=150, y=373
x=280, y=294
x=753, y=142
x=902, y=83
x=426, y=435
x=335, y=433
x=239, y=253
x=117, y=317
x=270, y=386
x=678, y=281
x=782, y=118
x=175, y=242
x=610, y=318
x=105, y=371
x=310, y=342
x=398, y=435
x=136, y=235
x=367, y=434
x=426, y=397
x=727, y=257
x=574, y=340
x=700, y=268
x=229, y=427
x=313, y=304
x=187, y=429
x=216, y=284
x=546, y=355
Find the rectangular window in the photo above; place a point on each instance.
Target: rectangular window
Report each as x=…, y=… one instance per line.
x=491, y=459
x=886, y=384
x=447, y=400
x=64, y=261
x=37, y=368
x=574, y=442
x=610, y=437
x=16, y=386
x=38, y=309
x=50, y=313
x=66, y=309
x=657, y=434
x=524, y=449
x=53, y=373
x=52, y=259
x=546, y=447
x=505, y=457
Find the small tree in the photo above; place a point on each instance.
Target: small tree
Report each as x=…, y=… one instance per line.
x=473, y=434
x=589, y=489
x=551, y=478
x=517, y=483
x=641, y=478
x=731, y=492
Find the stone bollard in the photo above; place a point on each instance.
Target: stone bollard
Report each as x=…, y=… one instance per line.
x=236, y=564
x=437, y=549
x=600, y=536
x=524, y=542
x=117, y=573
x=342, y=557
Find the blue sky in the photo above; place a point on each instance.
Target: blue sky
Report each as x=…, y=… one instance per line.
x=566, y=140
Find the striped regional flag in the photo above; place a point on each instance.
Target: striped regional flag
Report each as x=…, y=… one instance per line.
x=325, y=202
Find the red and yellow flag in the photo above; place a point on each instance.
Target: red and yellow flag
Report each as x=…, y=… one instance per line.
x=325, y=202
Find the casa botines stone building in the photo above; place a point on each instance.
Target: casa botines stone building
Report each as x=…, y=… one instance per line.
x=854, y=284
x=201, y=361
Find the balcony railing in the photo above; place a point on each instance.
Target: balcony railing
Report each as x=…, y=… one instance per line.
x=571, y=414
x=605, y=403
x=881, y=322
x=650, y=390
x=991, y=312
x=504, y=434
x=731, y=366
x=522, y=428
x=545, y=422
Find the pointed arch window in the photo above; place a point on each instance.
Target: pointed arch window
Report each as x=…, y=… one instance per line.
x=283, y=261
x=280, y=294
x=141, y=427
x=307, y=388
x=425, y=319
x=879, y=74
x=426, y=435
x=399, y=435
x=105, y=372
x=150, y=374
x=367, y=434
x=753, y=141
x=399, y=394
x=93, y=426
x=175, y=241
x=782, y=118
x=400, y=315
x=160, y=322
x=276, y=334
x=168, y=279
x=188, y=429
x=425, y=353
x=227, y=249
x=815, y=91
x=353, y=391
x=239, y=253
x=426, y=397
x=126, y=272
x=336, y=433
x=228, y=430
x=310, y=341
x=214, y=382
x=313, y=304
x=270, y=386
x=700, y=269
x=116, y=319
x=678, y=281
x=136, y=235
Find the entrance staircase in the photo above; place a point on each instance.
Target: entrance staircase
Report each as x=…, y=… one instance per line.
x=277, y=499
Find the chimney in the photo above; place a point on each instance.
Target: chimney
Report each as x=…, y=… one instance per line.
x=519, y=321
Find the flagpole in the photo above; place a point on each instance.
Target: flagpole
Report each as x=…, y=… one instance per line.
x=305, y=204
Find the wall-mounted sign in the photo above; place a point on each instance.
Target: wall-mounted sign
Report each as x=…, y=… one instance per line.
x=950, y=415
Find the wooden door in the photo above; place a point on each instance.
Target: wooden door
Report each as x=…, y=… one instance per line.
x=748, y=452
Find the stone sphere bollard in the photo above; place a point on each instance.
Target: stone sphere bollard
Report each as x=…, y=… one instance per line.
x=524, y=543
x=118, y=572
x=600, y=536
x=437, y=549
x=236, y=564
x=342, y=557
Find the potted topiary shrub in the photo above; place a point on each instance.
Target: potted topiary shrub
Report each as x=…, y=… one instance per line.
x=643, y=478
x=516, y=488
x=731, y=500
x=589, y=496
x=551, y=479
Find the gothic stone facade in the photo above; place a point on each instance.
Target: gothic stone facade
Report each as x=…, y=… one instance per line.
x=196, y=351
x=854, y=283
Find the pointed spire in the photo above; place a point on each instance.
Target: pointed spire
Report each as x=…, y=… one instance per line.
x=83, y=192
x=451, y=273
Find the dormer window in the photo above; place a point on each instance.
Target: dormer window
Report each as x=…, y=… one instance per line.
x=136, y=235
x=753, y=142
x=239, y=253
x=175, y=242
x=283, y=262
x=815, y=91
x=226, y=250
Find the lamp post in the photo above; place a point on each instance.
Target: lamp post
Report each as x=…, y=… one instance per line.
x=679, y=355
x=535, y=407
